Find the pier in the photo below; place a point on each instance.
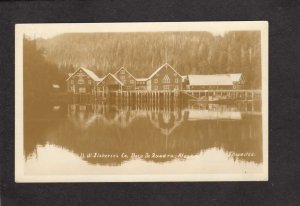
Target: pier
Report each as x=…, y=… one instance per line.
x=211, y=95
x=166, y=95
x=156, y=97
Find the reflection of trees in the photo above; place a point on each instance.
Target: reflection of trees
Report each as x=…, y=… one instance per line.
x=111, y=130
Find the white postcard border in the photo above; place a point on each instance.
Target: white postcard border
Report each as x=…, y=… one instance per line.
x=21, y=29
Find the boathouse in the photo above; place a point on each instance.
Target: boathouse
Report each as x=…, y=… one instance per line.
x=215, y=81
x=165, y=78
x=82, y=81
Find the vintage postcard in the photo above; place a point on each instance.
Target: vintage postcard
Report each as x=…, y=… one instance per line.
x=140, y=102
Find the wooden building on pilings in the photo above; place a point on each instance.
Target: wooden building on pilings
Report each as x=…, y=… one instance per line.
x=165, y=78
x=163, y=82
x=82, y=81
x=128, y=80
x=110, y=83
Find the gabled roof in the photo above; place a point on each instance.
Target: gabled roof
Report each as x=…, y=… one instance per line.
x=91, y=74
x=213, y=79
x=109, y=74
x=162, y=66
x=125, y=70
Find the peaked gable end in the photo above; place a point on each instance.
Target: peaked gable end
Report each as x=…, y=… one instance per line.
x=81, y=70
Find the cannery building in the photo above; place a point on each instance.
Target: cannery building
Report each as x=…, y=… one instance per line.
x=82, y=81
x=164, y=78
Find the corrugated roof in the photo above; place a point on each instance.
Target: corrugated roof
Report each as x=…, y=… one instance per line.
x=214, y=79
x=162, y=66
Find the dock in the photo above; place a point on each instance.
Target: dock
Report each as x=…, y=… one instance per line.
x=153, y=97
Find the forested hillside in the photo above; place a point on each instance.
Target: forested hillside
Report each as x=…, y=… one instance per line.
x=142, y=53
x=39, y=74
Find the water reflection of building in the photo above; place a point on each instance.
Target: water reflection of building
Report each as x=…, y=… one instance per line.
x=161, y=117
x=100, y=128
x=166, y=120
x=213, y=112
x=84, y=115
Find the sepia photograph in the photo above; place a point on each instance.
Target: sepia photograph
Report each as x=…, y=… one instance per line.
x=141, y=102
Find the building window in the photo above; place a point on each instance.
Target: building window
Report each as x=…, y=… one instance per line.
x=73, y=88
x=80, y=81
x=155, y=87
x=166, y=87
x=90, y=81
x=166, y=79
x=122, y=77
x=131, y=81
x=176, y=87
x=122, y=71
x=72, y=81
x=82, y=90
x=124, y=81
x=176, y=80
x=155, y=81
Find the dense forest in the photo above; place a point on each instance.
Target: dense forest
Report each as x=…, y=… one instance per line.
x=39, y=74
x=142, y=53
x=47, y=62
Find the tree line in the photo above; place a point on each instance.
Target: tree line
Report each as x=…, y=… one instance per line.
x=40, y=76
x=47, y=62
x=142, y=53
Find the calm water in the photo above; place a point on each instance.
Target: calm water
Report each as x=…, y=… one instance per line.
x=91, y=138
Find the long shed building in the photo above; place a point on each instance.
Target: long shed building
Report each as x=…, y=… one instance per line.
x=215, y=81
